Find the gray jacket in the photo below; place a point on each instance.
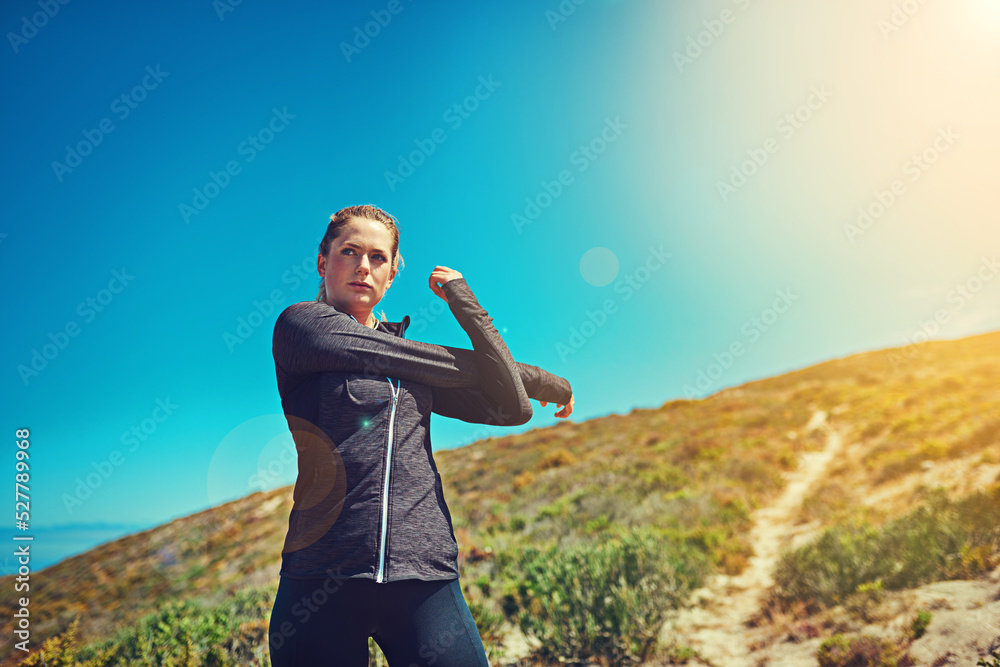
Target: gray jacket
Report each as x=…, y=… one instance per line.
x=368, y=501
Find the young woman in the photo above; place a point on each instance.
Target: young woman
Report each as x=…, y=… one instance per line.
x=370, y=549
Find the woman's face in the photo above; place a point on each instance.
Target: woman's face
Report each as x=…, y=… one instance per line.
x=360, y=254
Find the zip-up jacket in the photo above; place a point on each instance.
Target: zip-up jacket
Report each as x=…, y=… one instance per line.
x=368, y=501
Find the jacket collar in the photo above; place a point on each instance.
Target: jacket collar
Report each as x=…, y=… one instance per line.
x=394, y=328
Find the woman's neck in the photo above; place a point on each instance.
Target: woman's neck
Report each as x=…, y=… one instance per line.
x=365, y=317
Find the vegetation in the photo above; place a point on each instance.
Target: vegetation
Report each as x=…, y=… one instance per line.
x=920, y=623
x=862, y=651
x=539, y=516
x=942, y=539
x=184, y=634
x=608, y=599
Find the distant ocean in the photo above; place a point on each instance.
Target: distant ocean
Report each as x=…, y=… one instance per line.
x=55, y=543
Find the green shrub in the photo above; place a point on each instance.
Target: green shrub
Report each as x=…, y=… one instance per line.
x=605, y=598
x=375, y=656
x=920, y=623
x=488, y=622
x=862, y=651
x=180, y=634
x=940, y=540
x=867, y=598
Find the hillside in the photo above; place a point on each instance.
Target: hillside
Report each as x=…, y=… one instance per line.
x=904, y=421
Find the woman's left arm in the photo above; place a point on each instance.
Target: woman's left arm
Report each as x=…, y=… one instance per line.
x=469, y=404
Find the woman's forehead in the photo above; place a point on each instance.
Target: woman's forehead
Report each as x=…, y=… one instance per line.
x=365, y=233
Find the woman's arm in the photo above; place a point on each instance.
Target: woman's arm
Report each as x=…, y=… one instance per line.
x=469, y=404
x=310, y=337
x=544, y=386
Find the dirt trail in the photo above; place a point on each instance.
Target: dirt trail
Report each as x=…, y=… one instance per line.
x=716, y=628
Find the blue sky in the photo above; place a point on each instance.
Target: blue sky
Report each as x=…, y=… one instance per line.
x=634, y=190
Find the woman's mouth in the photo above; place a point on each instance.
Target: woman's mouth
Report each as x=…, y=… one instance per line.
x=361, y=285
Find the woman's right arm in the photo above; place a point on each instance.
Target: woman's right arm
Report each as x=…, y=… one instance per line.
x=544, y=386
x=311, y=337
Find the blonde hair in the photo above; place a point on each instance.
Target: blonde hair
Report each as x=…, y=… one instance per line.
x=341, y=218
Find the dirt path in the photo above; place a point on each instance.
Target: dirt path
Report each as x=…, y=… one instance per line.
x=716, y=628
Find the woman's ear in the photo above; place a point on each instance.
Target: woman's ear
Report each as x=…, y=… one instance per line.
x=321, y=265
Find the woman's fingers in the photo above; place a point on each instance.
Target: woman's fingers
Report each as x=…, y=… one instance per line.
x=439, y=276
x=566, y=411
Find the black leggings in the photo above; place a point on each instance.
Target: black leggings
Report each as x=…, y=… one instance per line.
x=320, y=622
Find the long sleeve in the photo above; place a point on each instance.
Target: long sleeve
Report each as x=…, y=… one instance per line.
x=469, y=404
x=311, y=337
x=544, y=386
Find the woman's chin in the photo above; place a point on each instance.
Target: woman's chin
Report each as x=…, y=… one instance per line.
x=366, y=299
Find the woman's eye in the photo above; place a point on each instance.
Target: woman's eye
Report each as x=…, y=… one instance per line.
x=377, y=255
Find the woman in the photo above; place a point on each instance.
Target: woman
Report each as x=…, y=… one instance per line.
x=370, y=548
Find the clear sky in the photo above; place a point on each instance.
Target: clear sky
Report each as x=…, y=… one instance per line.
x=652, y=199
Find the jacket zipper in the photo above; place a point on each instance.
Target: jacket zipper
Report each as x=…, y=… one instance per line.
x=380, y=575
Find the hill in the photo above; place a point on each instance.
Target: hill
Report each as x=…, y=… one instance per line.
x=700, y=472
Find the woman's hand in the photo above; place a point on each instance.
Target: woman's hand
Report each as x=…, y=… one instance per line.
x=439, y=276
x=566, y=411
